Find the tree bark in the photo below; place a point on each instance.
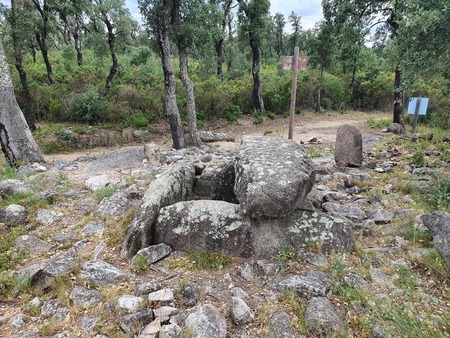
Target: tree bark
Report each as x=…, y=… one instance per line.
x=258, y=102
x=41, y=38
x=112, y=50
x=398, y=108
x=16, y=139
x=319, y=91
x=219, y=51
x=176, y=126
x=29, y=116
x=77, y=40
x=189, y=87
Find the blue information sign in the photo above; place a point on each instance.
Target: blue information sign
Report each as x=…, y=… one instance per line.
x=423, y=105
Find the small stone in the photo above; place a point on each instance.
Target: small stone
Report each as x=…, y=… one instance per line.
x=48, y=217
x=240, y=312
x=17, y=321
x=136, y=321
x=96, y=183
x=280, y=325
x=130, y=304
x=153, y=253
x=170, y=331
x=190, y=295
x=164, y=296
x=85, y=297
x=206, y=322
x=94, y=229
x=151, y=330
x=322, y=319
x=309, y=284
x=146, y=288
x=165, y=312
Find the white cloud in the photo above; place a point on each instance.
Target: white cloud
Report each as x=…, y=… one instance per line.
x=310, y=11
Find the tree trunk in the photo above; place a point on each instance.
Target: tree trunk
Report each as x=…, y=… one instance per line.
x=112, y=49
x=16, y=139
x=29, y=116
x=189, y=86
x=352, y=85
x=41, y=38
x=319, y=91
x=219, y=52
x=176, y=126
x=258, y=102
x=77, y=40
x=398, y=109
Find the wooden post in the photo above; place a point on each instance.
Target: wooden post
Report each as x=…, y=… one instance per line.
x=293, y=93
x=416, y=115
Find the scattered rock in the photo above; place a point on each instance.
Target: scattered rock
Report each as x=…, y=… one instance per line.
x=32, y=244
x=207, y=136
x=97, y=182
x=130, y=304
x=241, y=313
x=349, y=211
x=85, y=297
x=115, y=205
x=189, y=294
x=151, y=330
x=171, y=331
x=120, y=159
x=280, y=325
x=12, y=186
x=348, y=148
x=396, y=128
x=17, y=321
x=94, y=228
x=163, y=297
x=48, y=217
x=206, y=322
x=322, y=319
x=101, y=272
x=309, y=284
x=165, y=312
x=146, y=288
x=13, y=214
x=439, y=225
x=152, y=153
x=133, y=323
x=153, y=253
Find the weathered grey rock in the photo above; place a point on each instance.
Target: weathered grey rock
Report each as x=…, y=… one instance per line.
x=48, y=217
x=313, y=258
x=146, y=288
x=189, y=294
x=171, y=331
x=87, y=323
x=380, y=279
x=54, y=309
x=273, y=176
x=152, y=153
x=88, y=204
x=12, y=186
x=204, y=225
x=163, y=297
x=133, y=323
x=280, y=325
x=302, y=228
x=396, y=128
x=128, y=303
x=94, y=228
x=153, y=253
x=64, y=238
x=223, y=184
x=97, y=182
x=380, y=215
x=119, y=159
x=206, y=322
x=13, y=214
x=60, y=335
x=355, y=281
x=171, y=187
x=349, y=211
x=207, y=136
x=203, y=183
x=45, y=272
x=165, y=312
x=322, y=319
x=115, y=205
x=241, y=314
x=348, y=148
x=26, y=335
x=101, y=272
x=439, y=225
x=269, y=268
x=309, y=284
x=85, y=297
x=32, y=244
x=151, y=330
x=17, y=321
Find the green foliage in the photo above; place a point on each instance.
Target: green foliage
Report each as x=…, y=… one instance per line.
x=436, y=196
x=209, y=261
x=87, y=107
x=383, y=123
x=105, y=192
x=257, y=117
x=9, y=257
x=232, y=113
x=418, y=158
x=142, y=263
x=138, y=120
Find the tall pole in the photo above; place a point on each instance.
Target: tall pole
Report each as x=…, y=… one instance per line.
x=293, y=93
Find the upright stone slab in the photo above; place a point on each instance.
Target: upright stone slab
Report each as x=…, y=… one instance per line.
x=348, y=148
x=273, y=176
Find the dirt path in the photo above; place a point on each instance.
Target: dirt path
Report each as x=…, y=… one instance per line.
x=307, y=126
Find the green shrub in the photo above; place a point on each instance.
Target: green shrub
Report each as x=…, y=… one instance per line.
x=105, y=192
x=326, y=103
x=209, y=261
x=436, y=196
x=138, y=120
x=418, y=158
x=271, y=115
x=87, y=107
x=232, y=112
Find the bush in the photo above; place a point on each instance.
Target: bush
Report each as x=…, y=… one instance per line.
x=138, y=120
x=87, y=107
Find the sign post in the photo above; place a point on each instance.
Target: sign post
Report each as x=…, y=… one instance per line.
x=294, y=63
x=417, y=106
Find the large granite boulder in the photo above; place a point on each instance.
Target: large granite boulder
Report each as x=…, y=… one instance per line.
x=220, y=226
x=273, y=176
x=439, y=225
x=171, y=187
x=223, y=184
x=348, y=148
x=204, y=225
x=120, y=159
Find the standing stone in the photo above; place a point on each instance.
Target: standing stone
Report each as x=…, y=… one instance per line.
x=348, y=149
x=273, y=177
x=322, y=319
x=152, y=153
x=207, y=322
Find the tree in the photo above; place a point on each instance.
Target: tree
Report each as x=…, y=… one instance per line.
x=219, y=33
x=29, y=116
x=158, y=15
x=280, y=23
x=254, y=17
x=16, y=139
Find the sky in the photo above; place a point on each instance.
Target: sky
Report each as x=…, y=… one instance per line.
x=310, y=11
